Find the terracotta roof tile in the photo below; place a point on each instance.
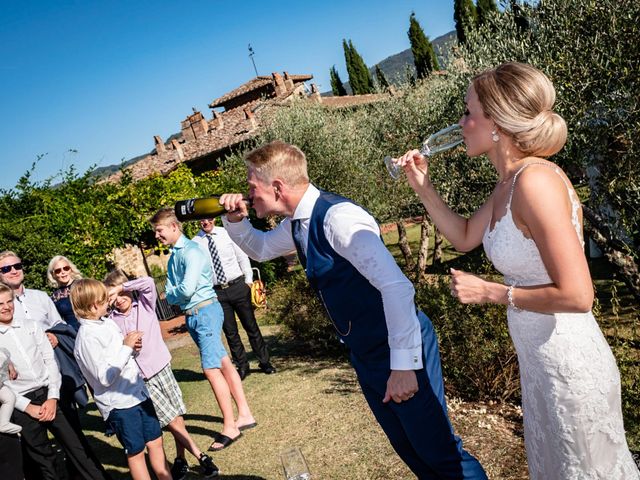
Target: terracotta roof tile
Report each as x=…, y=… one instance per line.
x=253, y=84
x=229, y=128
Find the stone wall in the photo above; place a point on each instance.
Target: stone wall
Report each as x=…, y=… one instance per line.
x=130, y=260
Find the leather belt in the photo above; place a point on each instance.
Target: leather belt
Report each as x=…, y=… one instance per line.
x=194, y=310
x=222, y=286
x=38, y=392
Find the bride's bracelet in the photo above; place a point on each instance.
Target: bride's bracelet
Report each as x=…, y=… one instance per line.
x=510, y=302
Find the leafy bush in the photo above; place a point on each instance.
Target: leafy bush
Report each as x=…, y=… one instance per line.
x=589, y=50
x=478, y=359
x=84, y=220
x=293, y=304
x=627, y=357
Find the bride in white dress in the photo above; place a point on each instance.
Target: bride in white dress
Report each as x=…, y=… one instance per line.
x=531, y=228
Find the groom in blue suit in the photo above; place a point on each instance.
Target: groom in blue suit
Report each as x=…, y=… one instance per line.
x=393, y=347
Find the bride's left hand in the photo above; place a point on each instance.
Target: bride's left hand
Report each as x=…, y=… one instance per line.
x=469, y=288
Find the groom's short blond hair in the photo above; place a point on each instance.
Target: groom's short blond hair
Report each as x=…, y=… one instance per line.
x=278, y=159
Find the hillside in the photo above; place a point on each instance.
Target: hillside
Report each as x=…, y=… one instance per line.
x=396, y=66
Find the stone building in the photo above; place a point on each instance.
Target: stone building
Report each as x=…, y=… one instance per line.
x=236, y=117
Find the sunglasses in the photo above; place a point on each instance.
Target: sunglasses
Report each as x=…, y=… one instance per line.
x=61, y=269
x=7, y=268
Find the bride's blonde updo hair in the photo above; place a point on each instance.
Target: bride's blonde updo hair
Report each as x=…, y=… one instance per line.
x=519, y=98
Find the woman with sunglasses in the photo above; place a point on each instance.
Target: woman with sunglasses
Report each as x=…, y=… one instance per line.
x=61, y=274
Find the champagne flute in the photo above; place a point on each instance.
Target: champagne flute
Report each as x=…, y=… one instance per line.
x=294, y=465
x=440, y=141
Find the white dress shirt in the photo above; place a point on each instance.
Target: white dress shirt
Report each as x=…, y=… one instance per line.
x=235, y=262
x=5, y=356
x=342, y=225
x=36, y=305
x=33, y=358
x=108, y=365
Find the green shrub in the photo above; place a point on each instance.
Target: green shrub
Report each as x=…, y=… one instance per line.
x=295, y=305
x=478, y=359
x=627, y=357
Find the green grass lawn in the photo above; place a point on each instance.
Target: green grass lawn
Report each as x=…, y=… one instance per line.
x=314, y=404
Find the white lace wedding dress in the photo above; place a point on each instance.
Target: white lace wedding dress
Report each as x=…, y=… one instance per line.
x=570, y=382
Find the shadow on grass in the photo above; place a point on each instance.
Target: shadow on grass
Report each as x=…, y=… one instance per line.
x=111, y=456
x=212, y=420
x=179, y=329
x=183, y=375
x=343, y=384
x=290, y=355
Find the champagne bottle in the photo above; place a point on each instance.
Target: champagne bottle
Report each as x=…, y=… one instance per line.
x=199, y=208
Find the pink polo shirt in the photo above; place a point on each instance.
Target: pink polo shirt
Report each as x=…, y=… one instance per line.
x=154, y=355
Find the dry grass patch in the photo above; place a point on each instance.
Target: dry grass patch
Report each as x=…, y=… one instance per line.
x=316, y=404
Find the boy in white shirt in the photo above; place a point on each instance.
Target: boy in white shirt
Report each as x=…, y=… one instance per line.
x=37, y=390
x=106, y=359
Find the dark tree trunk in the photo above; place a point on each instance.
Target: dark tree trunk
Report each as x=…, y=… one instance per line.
x=403, y=243
x=437, y=247
x=423, y=257
x=615, y=250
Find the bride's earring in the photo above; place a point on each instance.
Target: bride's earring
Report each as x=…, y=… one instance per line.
x=494, y=136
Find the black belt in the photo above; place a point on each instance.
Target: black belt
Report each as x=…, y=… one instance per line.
x=40, y=392
x=222, y=286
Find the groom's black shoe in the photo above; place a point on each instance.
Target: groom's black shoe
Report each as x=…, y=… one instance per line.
x=243, y=371
x=267, y=368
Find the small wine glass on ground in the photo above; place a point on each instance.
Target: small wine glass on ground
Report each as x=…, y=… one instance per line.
x=444, y=139
x=294, y=465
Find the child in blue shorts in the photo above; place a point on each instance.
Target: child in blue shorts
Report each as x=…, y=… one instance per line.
x=106, y=359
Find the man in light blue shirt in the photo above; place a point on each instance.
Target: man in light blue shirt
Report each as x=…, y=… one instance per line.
x=190, y=286
x=189, y=280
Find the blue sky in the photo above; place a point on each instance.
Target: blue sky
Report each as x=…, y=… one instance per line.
x=89, y=82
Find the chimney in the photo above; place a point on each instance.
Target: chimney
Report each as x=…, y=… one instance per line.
x=288, y=82
x=249, y=115
x=315, y=94
x=160, y=148
x=194, y=126
x=278, y=84
x=199, y=125
x=216, y=122
x=187, y=132
x=178, y=148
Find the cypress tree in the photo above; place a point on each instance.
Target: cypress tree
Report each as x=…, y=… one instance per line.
x=485, y=8
x=336, y=83
x=382, y=80
x=424, y=57
x=349, y=63
x=465, y=16
x=359, y=75
x=520, y=16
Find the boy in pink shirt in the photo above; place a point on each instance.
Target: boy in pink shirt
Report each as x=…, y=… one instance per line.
x=133, y=303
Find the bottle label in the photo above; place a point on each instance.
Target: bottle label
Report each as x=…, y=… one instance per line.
x=188, y=207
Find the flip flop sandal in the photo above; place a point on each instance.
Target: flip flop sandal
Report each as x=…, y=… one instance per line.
x=248, y=426
x=224, y=441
